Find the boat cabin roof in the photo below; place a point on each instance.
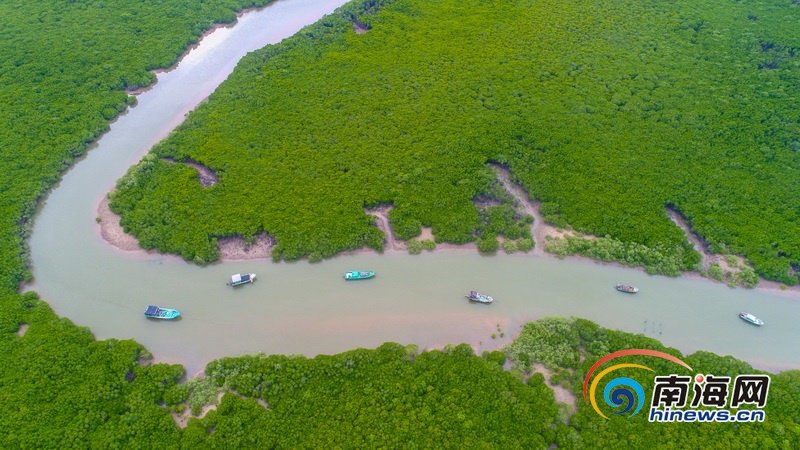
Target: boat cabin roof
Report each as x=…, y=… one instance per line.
x=152, y=310
x=240, y=277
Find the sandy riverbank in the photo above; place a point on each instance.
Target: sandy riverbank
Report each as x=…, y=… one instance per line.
x=710, y=258
x=494, y=342
x=112, y=231
x=235, y=248
x=540, y=229
x=232, y=248
x=191, y=47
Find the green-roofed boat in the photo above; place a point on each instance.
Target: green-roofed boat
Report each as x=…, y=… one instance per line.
x=359, y=275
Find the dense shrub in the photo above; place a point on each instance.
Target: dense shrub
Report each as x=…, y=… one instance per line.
x=660, y=259
x=525, y=245
x=605, y=111
x=570, y=347
x=385, y=397
x=64, y=66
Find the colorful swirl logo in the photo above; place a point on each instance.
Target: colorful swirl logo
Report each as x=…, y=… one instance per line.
x=622, y=393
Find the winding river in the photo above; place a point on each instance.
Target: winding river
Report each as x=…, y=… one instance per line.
x=308, y=308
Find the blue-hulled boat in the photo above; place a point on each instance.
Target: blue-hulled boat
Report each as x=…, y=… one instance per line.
x=154, y=312
x=358, y=275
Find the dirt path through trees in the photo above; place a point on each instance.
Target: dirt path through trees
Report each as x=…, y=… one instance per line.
x=539, y=229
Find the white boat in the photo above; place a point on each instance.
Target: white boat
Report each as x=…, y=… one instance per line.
x=628, y=289
x=475, y=296
x=241, y=278
x=747, y=317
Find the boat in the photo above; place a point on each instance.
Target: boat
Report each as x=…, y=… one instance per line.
x=475, y=296
x=241, y=278
x=155, y=312
x=358, y=275
x=747, y=317
x=626, y=288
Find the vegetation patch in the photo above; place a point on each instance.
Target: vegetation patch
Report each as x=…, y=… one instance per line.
x=569, y=347
x=415, y=247
x=99, y=392
x=661, y=259
x=604, y=121
x=205, y=176
x=732, y=275
x=65, y=66
x=391, y=396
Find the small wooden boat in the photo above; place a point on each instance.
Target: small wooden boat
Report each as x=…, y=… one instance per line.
x=475, y=296
x=241, y=278
x=358, y=275
x=747, y=317
x=154, y=312
x=626, y=288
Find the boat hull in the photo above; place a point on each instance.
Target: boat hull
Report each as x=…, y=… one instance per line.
x=155, y=312
x=241, y=279
x=626, y=289
x=358, y=275
x=477, y=297
x=751, y=319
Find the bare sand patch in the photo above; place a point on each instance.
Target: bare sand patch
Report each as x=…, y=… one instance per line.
x=729, y=264
x=182, y=420
x=540, y=229
x=697, y=242
x=426, y=235
x=779, y=288
x=112, y=231
x=381, y=213
x=235, y=248
x=562, y=394
x=445, y=246
x=360, y=28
